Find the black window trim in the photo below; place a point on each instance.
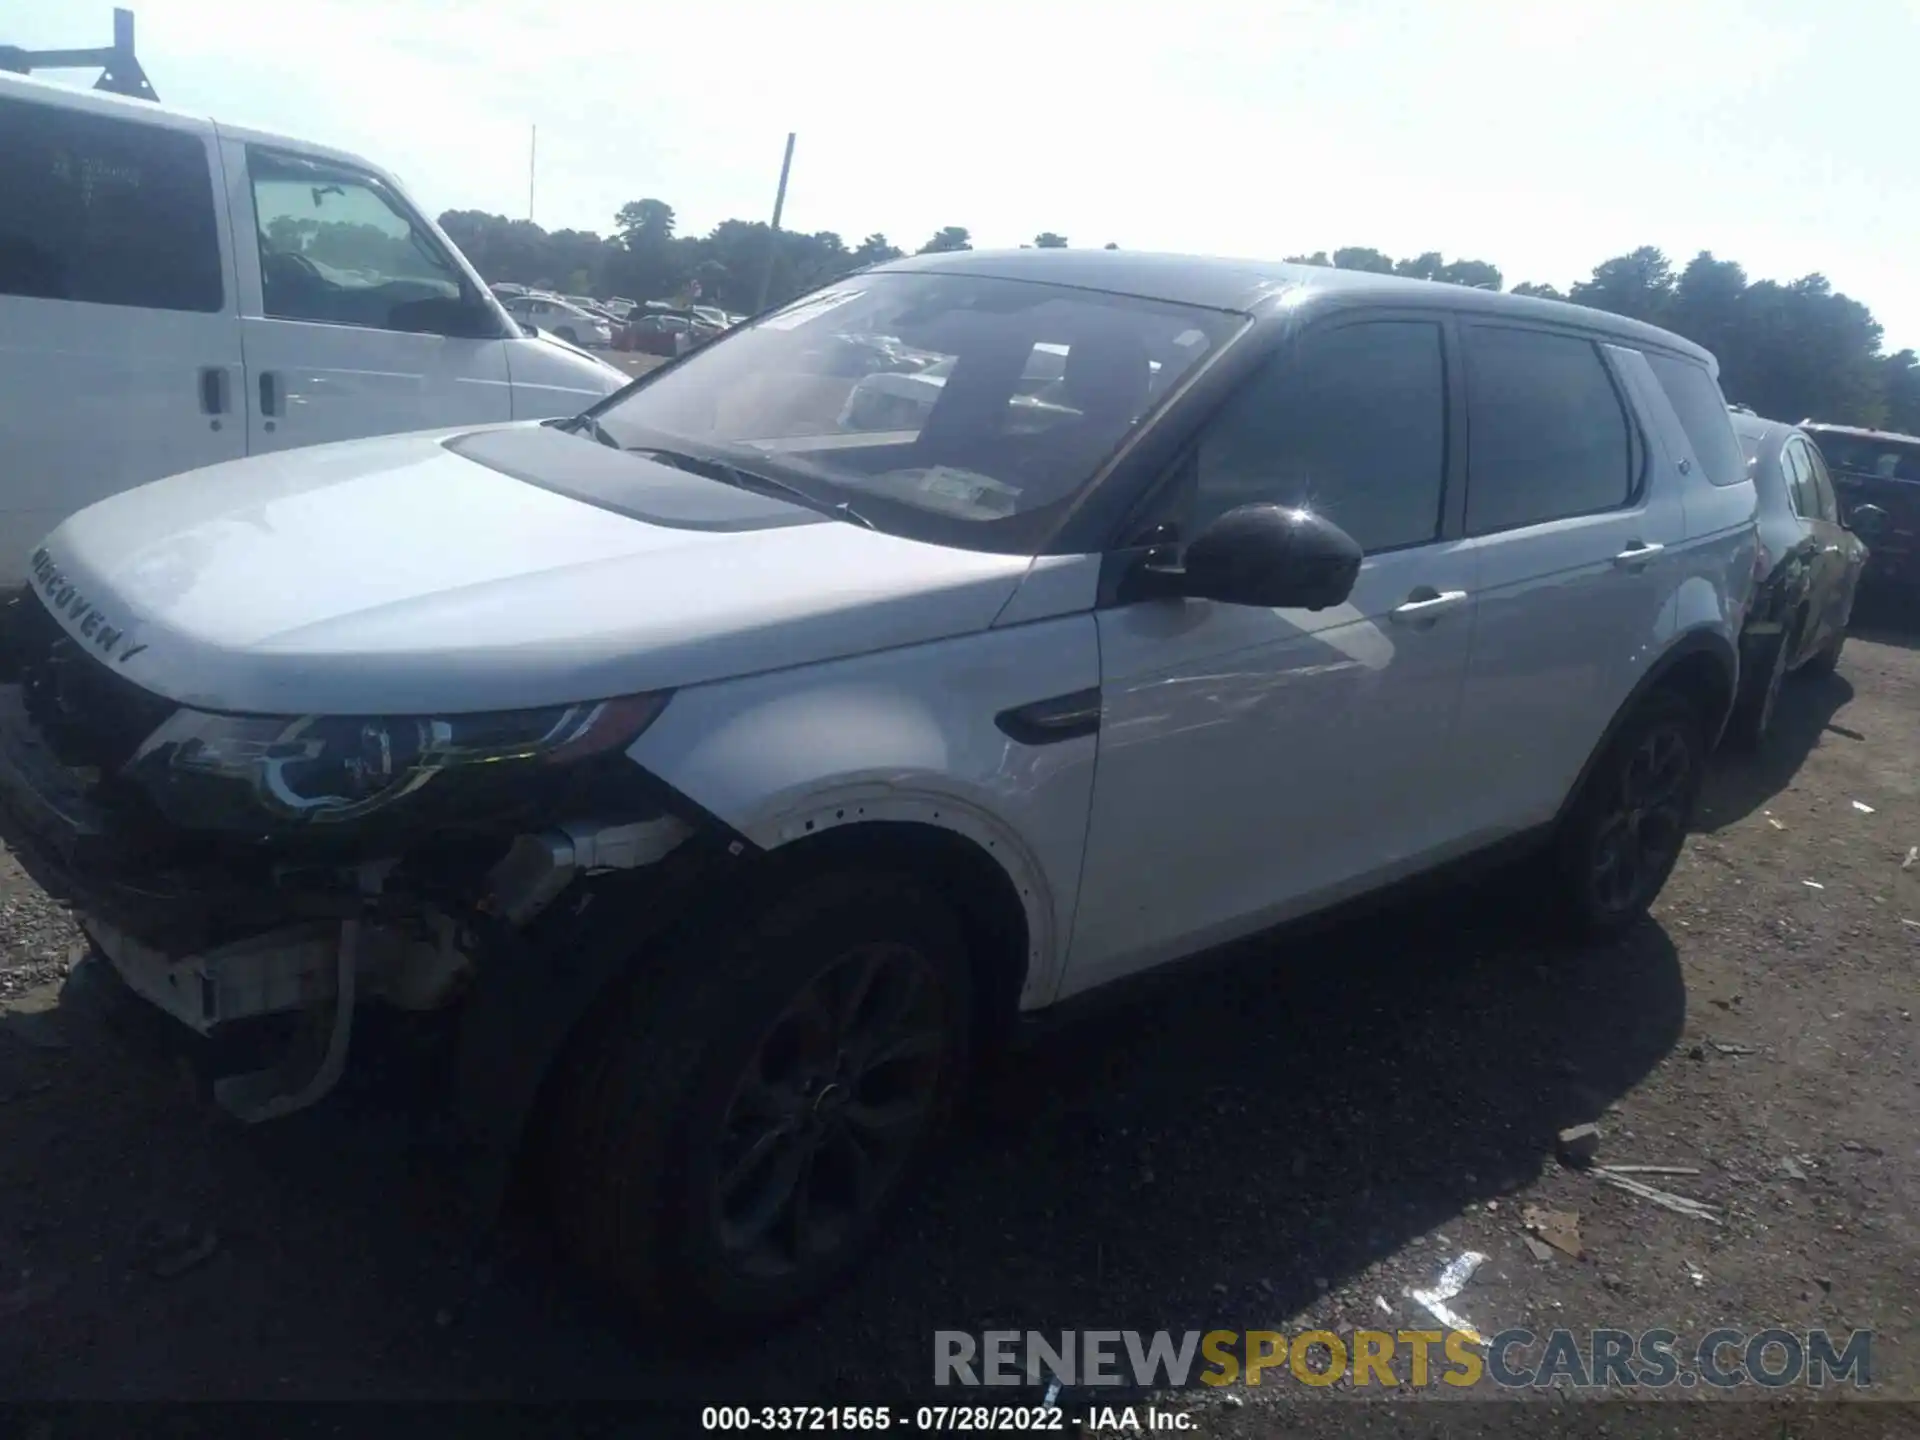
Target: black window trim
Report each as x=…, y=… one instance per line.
x=1822, y=480
x=1786, y=476
x=1637, y=447
x=1134, y=537
x=394, y=200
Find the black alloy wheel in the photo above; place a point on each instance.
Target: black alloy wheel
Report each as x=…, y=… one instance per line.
x=1642, y=830
x=828, y=1110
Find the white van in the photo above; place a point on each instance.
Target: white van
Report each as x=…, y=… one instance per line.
x=175, y=292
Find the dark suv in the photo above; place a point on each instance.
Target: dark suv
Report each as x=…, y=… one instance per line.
x=1876, y=476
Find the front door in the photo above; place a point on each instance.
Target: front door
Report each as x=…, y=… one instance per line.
x=1256, y=763
x=342, y=292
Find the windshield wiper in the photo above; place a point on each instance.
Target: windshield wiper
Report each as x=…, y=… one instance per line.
x=584, y=425
x=728, y=473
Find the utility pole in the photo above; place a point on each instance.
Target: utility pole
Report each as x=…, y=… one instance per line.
x=533, y=151
x=773, y=235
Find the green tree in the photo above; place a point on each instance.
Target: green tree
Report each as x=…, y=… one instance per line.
x=1360, y=257
x=952, y=237
x=1539, y=292
x=1047, y=240
x=1639, y=285
x=875, y=250
x=644, y=221
x=1110, y=246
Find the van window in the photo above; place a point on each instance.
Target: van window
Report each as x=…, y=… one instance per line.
x=106, y=212
x=1353, y=424
x=1547, y=437
x=1696, y=399
x=339, y=248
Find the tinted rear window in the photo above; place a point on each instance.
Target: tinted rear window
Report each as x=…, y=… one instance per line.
x=1696, y=399
x=1546, y=435
x=1883, y=459
x=105, y=211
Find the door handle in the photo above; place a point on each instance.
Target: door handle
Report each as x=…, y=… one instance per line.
x=269, y=393
x=213, y=390
x=1638, y=555
x=1426, y=604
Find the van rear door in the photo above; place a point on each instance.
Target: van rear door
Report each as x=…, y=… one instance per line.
x=119, y=335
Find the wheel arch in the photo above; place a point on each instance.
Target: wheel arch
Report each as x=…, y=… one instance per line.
x=1701, y=664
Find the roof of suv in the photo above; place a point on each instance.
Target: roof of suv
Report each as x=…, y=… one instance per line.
x=1243, y=285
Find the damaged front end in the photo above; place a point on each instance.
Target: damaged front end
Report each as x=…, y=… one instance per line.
x=235, y=869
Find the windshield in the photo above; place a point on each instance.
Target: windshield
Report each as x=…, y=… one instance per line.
x=1878, y=457
x=952, y=408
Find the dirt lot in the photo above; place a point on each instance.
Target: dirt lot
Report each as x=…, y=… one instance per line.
x=1292, y=1137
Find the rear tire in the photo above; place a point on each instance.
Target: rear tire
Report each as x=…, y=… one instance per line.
x=743, y=1120
x=1629, y=822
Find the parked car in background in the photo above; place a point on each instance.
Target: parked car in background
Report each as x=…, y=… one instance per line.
x=506, y=289
x=733, y=781
x=592, y=307
x=175, y=292
x=568, y=321
x=1876, y=477
x=665, y=332
x=1809, y=568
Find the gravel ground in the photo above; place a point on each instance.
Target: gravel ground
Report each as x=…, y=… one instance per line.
x=1289, y=1138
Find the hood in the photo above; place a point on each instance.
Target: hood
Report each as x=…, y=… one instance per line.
x=482, y=570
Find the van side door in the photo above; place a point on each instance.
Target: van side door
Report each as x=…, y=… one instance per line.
x=119, y=334
x=355, y=319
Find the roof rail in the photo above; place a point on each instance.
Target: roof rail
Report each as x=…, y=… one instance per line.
x=120, y=73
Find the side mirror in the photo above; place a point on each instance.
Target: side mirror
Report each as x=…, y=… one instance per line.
x=1272, y=556
x=1866, y=521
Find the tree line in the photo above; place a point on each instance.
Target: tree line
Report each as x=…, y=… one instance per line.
x=1791, y=350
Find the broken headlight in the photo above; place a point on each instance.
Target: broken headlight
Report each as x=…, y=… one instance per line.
x=224, y=772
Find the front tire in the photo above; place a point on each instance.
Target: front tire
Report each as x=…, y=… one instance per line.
x=747, y=1115
x=1629, y=822
x=565, y=332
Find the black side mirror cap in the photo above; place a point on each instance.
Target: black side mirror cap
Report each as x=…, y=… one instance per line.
x=1272, y=556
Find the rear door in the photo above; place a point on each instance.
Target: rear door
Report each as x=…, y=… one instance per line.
x=347, y=296
x=119, y=342
x=1839, y=557
x=1573, y=545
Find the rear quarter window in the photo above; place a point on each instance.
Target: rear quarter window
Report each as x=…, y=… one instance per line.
x=105, y=211
x=1696, y=399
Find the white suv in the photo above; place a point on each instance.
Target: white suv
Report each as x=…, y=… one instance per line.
x=735, y=777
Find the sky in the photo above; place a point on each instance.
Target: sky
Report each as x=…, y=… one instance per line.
x=1544, y=137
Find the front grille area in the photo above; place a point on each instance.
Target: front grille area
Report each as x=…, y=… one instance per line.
x=89, y=716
